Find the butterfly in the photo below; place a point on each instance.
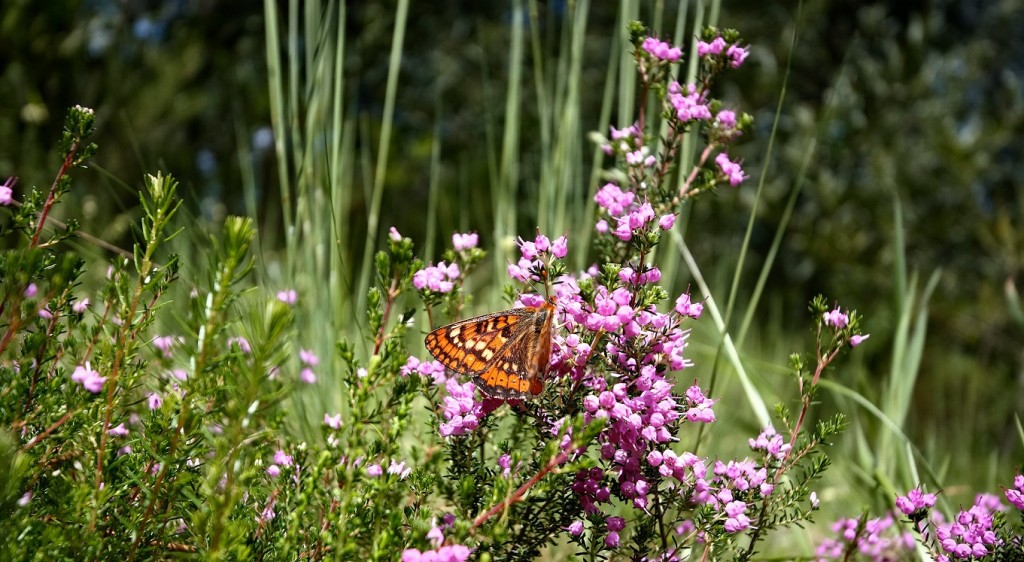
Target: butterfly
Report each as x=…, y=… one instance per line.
x=505, y=352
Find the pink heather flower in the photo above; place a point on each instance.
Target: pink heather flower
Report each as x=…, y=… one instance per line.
x=399, y=469
x=736, y=55
x=560, y=247
x=447, y=553
x=732, y=170
x=273, y=471
x=242, y=343
x=666, y=221
x=282, y=458
x=685, y=307
x=436, y=535
x=25, y=499
x=307, y=376
x=915, y=501
x=166, y=344
x=726, y=118
x=601, y=226
x=464, y=241
x=575, y=528
x=625, y=133
x=688, y=102
x=31, y=290
x=333, y=422
x=180, y=374
x=308, y=357
x=461, y=412
x=699, y=406
x=374, y=470
x=437, y=278
x=288, y=296
x=267, y=514
x=615, y=523
x=612, y=540
x=715, y=47
x=7, y=193
x=836, y=319
x=858, y=339
x=88, y=378
x=80, y=306
x=770, y=442
x=154, y=400
x=661, y=50
x=737, y=520
x=119, y=431
x=611, y=198
x=394, y=235
x=970, y=534
x=433, y=369
x=1015, y=495
x=45, y=313
x=590, y=489
x=813, y=498
x=505, y=462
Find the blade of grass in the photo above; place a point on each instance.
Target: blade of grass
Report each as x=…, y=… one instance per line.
x=503, y=194
x=383, y=147
x=749, y=389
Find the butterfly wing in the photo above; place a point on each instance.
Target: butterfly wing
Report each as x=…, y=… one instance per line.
x=469, y=346
x=517, y=370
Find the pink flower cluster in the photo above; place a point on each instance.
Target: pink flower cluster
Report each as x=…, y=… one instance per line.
x=836, y=319
x=661, y=50
x=166, y=344
x=734, y=484
x=970, y=534
x=449, y=553
x=89, y=378
x=735, y=54
x=915, y=502
x=872, y=540
x=462, y=242
x=686, y=307
x=630, y=215
x=590, y=489
x=438, y=278
x=627, y=140
x=689, y=102
x=637, y=424
x=771, y=443
x=731, y=170
x=534, y=255
x=7, y=191
x=461, y=410
x=432, y=369
x=1015, y=495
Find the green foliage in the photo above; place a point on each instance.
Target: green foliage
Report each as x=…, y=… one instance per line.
x=212, y=465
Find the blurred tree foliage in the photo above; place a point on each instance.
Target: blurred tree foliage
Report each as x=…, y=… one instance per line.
x=912, y=103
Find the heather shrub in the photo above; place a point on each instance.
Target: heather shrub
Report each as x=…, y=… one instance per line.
x=122, y=439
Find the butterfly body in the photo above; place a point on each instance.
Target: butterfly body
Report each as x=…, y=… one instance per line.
x=505, y=352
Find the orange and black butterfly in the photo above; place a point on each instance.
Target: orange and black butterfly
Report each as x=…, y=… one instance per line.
x=505, y=352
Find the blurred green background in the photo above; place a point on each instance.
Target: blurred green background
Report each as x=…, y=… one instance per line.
x=894, y=179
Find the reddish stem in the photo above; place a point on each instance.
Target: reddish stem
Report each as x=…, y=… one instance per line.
x=519, y=493
x=704, y=155
x=68, y=159
x=48, y=431
x=392, y=294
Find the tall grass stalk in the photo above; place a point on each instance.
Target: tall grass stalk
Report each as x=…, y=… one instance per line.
x=314, y=144
x=503, y=194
